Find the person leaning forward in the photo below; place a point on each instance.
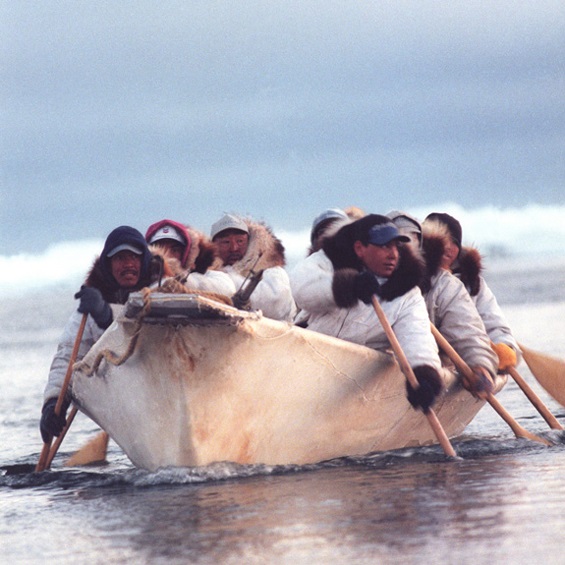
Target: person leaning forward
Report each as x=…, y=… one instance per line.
x=449, y=305
x=466, y=264
x=124, y=266
x=335, y=286
x=246, y=248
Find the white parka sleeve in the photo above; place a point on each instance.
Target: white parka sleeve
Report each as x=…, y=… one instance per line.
x=272, y=295
x=62, y=357
x=454, y=314
x=211, y=281
x=493, y=318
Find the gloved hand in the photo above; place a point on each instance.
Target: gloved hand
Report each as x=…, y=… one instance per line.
x=480, y=385
x=506, y=356
x=91, y=302
x=50, y=424
x=365, y=285
x=430, y=386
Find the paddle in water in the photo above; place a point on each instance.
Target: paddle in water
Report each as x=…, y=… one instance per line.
x=467, y=372
x=433, y=420
x=45, y=458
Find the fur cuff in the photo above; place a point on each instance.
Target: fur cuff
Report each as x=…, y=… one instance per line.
x=343, y=287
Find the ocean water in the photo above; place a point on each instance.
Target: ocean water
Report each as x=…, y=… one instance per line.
x=502, y=502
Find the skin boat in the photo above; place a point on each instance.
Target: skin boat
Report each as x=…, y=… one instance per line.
x=184, y=380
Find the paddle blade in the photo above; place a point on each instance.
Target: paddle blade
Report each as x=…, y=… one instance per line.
x=548, y=371
x=92, y=452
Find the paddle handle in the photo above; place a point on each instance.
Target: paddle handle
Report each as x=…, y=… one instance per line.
x=57, y=443
x=44, y=460
x=433, y=420
x=518, y=430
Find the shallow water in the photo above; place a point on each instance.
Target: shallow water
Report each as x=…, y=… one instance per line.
x=502, y=502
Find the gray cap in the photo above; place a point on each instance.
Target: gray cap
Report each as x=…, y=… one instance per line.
x=125, y=247
x=228, y=222
x=330, y=213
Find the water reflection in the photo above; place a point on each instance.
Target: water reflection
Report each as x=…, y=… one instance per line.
x=471, y=511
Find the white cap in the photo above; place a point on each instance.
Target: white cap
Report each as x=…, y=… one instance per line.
x=125, y=247
x=228, y=222
x=167, y=232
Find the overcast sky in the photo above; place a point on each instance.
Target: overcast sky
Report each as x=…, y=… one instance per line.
x=129, y=112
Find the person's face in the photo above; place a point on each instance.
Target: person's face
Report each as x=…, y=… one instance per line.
x=171, y=247
x=126, y=268
x=232, y=246
x=449, y=254
x=381, y=260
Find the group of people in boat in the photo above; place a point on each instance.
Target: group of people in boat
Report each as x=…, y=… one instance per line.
x=420, y=273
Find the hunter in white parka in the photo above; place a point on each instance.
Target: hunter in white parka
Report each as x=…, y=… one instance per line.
x=247, y=247
x=451, y=308
x=334, y=286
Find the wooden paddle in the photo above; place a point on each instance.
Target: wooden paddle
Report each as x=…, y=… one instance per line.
x=548, y=371
x=409, y=374
x=535, y=400
x=61, y=437
x=44, y=457
x=518, y=430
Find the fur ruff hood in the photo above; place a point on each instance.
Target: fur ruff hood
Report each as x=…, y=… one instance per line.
x=435, y=237
x=264, y=251
x=469, y=267
x=111, y=293
x=409, y=273
x=199, y=254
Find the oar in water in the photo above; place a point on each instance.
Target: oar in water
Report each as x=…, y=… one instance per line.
x=92, y=452
x=411, y=378
x=518, y=430
x=548, y=371
x=42, y=464
x=535, y=400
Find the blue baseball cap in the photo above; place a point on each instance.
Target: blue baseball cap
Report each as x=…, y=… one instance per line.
x=381, y=234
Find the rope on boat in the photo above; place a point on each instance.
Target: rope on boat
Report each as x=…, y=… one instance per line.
x=171, y=286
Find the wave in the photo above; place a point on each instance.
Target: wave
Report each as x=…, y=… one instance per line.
x=524, y=237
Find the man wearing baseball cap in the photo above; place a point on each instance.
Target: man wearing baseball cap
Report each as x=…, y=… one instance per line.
x=123, y=267
x=335, y=285
x=173, y=237
x=249, y=248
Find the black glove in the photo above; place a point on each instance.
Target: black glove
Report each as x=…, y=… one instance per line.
x=365, y=285
x=430, y=386
x=91, y=302
x=50, y=424
x=479, y=384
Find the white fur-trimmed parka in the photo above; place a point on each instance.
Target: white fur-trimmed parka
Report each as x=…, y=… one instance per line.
x=265, y=252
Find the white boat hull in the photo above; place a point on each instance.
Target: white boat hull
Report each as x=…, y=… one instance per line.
x=206, y=382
